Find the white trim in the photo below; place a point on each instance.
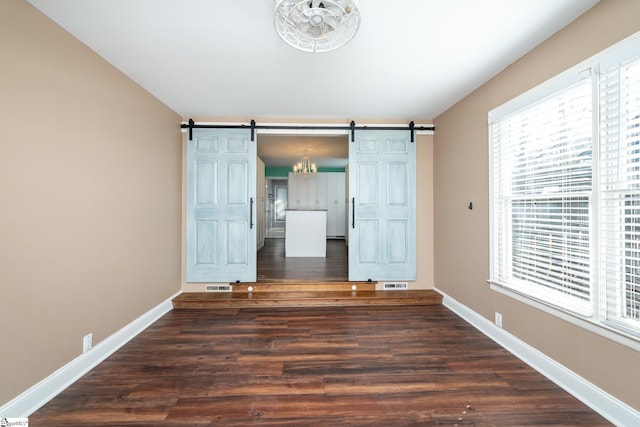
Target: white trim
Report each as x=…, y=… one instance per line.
x=615, y=335
x=614, y=410
x=35, y=397
x=321, y=132
x=543, y=91
x=578, y=71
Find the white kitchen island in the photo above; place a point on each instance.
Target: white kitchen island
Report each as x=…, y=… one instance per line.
x=306, y=233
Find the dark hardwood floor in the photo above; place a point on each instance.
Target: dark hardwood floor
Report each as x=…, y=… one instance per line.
x=317, y=366
x=366, y=366
x=272, y=264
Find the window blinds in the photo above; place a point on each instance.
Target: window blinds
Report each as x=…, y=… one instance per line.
x=565, y=191
x=541, y=193
x=620, y=191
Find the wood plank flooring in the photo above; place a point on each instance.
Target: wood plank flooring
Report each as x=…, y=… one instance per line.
x=272, y=265
x=304, y=282
x=310, y=298
x=364, y=366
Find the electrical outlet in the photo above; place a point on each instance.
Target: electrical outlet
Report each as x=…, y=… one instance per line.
x=498, y=319
x=87, y=342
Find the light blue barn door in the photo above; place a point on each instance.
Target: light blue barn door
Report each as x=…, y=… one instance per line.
x=221, y=206
x=382, y=206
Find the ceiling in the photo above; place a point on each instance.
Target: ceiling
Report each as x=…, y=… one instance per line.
x=411, y=59
x=285, y=150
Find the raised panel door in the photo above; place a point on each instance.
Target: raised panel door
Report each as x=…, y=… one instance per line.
x=221, y=206
x=382, y=206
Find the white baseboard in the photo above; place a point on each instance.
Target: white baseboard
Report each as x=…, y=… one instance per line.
x=34, y=398
x=614, y=410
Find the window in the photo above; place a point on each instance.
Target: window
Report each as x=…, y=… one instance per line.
x=620, y=191
x=565, y=191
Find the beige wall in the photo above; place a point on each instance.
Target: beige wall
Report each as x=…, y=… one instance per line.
x=424, y=212
x=461, y=176
x=90, y=196
x=424, y=206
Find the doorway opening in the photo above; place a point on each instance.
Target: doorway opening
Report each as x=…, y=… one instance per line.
x=277, y=205
x=279, y=153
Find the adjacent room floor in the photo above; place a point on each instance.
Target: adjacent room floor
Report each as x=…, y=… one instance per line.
x=272, y=265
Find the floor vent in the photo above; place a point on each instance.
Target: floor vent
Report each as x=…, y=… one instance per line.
x=218, y=288
x=395, y=286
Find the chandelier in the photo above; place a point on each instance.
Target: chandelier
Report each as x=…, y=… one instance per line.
x=305, y=166
x=316, y=25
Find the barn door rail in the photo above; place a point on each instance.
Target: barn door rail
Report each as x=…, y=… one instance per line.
x=351, y=128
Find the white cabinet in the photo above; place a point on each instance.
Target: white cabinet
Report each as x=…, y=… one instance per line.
x=294, y=191
x=322, y=202
x=336, y=204
x=304, y=191
x=323, y=190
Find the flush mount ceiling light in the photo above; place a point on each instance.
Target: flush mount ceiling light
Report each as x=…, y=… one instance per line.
x=316, y=25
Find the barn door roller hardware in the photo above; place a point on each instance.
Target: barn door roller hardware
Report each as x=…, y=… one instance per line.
x=412, y=128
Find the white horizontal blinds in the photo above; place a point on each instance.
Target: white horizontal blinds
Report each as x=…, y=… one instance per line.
x=541, y=188
x=620, y=190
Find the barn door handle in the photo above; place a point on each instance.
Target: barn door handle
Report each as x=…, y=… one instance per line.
x=251, y=213
x=353, y=212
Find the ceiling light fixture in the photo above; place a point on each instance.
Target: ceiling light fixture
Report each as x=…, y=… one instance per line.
x=316, y=25
x=305, y=166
